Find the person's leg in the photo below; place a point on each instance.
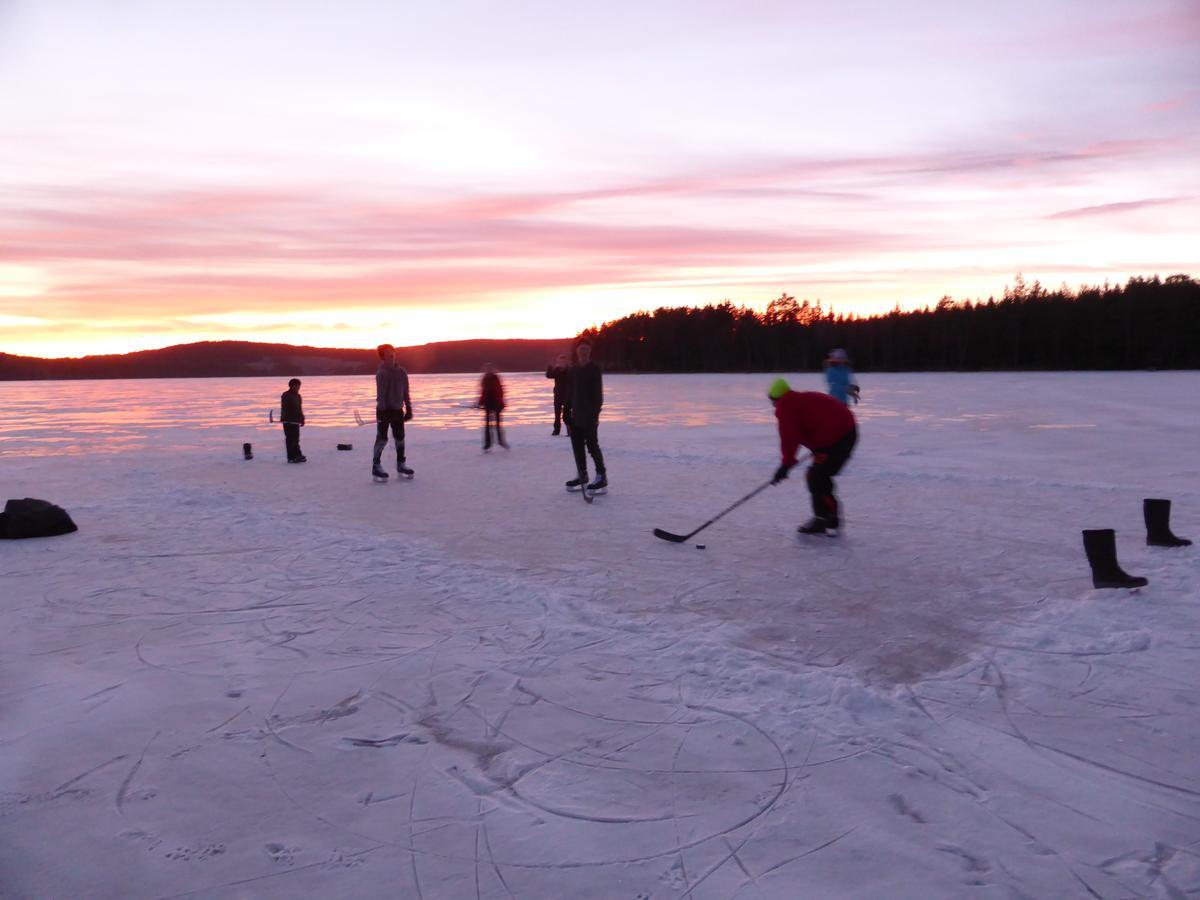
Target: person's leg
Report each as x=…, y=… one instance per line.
x=577, y=444
x=291, y=439
x=820, y=489
x=593, y=447
x=398, y=434
x=827, y=463
x=500, y=434
x=381, y=437
x=487, y=429
x=557, y=416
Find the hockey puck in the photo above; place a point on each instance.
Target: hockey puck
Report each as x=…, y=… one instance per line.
x=701, y=546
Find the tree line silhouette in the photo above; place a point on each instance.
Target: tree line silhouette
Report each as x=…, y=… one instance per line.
x=208, y=359
x=1147, y=323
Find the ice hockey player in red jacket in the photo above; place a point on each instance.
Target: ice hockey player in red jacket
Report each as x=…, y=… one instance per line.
x=827, y=428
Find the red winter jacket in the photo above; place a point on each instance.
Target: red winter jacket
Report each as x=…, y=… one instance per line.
x=814, y=420
x=491, y=395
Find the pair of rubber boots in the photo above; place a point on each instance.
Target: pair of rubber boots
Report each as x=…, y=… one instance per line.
x=1100, y=545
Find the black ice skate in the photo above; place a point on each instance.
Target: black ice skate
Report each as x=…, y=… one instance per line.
x=600, y=485
x=379, y=473
x=404, y=471
x=298, y=459
x=577, y=483
x=819, y=525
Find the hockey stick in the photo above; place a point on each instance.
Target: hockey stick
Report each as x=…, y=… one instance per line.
x=680, y=538
x=358, y=419
x=271, y=416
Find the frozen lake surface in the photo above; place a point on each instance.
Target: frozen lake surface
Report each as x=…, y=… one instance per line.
x=249, y=679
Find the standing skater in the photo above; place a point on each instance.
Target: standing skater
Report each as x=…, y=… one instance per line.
x=393, y=407
x=840, y=377
x=291, y=414
x=491, y=401
x=826, y=427
x=560, y=371
x=582, y=415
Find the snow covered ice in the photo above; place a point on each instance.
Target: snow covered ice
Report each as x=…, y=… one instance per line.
x=250, y=679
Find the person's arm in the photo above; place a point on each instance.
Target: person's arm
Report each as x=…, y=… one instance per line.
x=300, y=408
x=550, y=371
x=408, y=414
x=789, y=442
x=380, y=389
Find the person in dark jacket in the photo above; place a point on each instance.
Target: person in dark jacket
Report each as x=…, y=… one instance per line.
x=582, y=415
x=825, y=426
x=291, y=414
x=393, y=407
x=491, y=401
x=560, y=371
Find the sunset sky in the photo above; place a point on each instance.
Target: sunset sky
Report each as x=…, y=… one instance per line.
x=344, y=174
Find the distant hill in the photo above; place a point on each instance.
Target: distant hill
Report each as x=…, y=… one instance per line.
x=209, y=359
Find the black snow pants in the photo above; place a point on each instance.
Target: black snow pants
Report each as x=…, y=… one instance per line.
x=584, y=436
x=827, y=462
x=384, y=418
x=291, y=439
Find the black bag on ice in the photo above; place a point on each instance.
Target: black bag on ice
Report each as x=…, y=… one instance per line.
x=30, y=518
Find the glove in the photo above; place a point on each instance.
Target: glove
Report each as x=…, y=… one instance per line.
x=408, y=414
x=780, y=474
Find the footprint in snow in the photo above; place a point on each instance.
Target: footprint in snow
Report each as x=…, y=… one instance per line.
x=284, y=856
x=187, y=854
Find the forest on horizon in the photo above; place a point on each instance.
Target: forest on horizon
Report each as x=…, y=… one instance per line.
x=1148, y=323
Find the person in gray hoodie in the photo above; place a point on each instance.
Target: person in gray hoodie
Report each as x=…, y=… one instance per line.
x=393, y=407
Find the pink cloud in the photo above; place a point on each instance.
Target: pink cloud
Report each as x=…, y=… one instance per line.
x=1105, y=209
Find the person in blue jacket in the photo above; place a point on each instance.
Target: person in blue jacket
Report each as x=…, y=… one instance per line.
x=840, y=377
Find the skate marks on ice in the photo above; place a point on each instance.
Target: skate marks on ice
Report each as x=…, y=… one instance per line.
x=362, y=712
x=435, y=723
x=1051, y=754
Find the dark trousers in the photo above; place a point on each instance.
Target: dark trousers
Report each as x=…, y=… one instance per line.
x=291, y=439
x=584, y=436
x=395, y=419
x=827, y=462
x=490, y=415
x=558, y=408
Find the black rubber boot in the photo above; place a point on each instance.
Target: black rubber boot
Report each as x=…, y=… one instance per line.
x=1100, y=545
x=1158, y=525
